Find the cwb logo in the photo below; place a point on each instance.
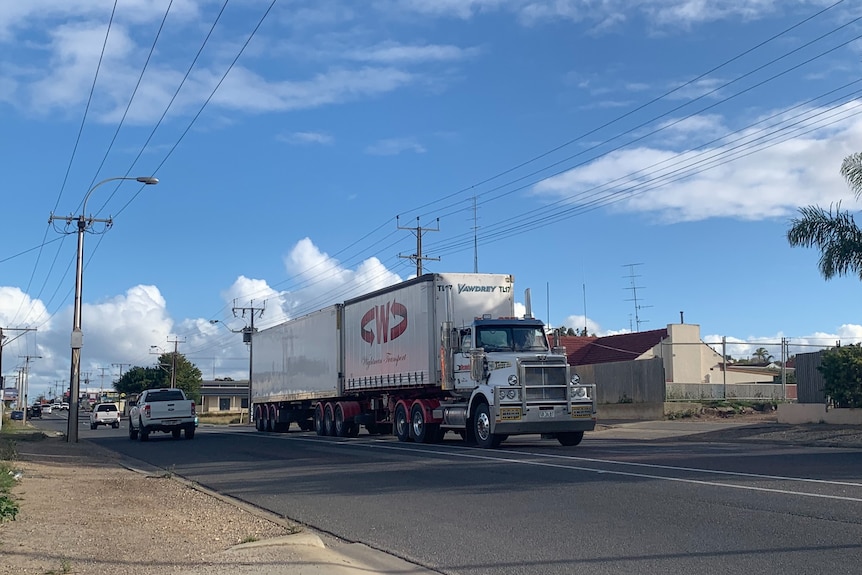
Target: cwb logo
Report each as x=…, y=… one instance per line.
x=375, y=323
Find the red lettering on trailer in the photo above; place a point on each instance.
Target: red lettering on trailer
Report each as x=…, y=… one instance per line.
x=379, y=317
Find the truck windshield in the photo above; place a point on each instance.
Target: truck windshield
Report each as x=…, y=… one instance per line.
x=511, y=339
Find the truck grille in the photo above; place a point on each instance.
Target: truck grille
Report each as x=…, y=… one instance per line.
x=545, y=382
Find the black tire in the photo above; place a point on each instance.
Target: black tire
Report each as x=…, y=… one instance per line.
x=115, y=425
x=258, y=421
x=133, y=433
x=401, y=425
x=341, y=427
x=329, y=420
x=143, y=432
x=418, y=427
x=570, y=438
x=318, y=420
x=482, y=428
x=175, y=433
x=190, y=432
x=93, y=426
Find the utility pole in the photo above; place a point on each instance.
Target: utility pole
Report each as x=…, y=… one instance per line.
x=247, y=338
x=176, y=343
x=102, y=382
x=3, y=342
x=25, y=379
x=418, y=257
x=475, y=237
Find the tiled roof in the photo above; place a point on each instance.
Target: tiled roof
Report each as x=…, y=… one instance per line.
x=623, y=347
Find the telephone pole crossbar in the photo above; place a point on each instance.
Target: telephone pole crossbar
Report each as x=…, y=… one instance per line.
x=418, y=257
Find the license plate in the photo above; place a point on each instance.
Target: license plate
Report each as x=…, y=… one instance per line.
x=169, y=421
x=546, y=414
x=510, y=413
x=579, y=412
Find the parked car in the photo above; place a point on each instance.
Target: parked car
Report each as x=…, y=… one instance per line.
x=17, y=414
x=34, y=411
x=105, y=414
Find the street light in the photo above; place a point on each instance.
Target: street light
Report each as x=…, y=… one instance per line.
x=77, y=336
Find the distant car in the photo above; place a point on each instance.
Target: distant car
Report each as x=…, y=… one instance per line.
x=64, y=406
x=34, y=411
x=105, y=414
x=17, y=414
x=46, y=408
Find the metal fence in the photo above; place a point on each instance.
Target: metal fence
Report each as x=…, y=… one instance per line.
x=808, y=379
x=718, y=391
x=626, y=381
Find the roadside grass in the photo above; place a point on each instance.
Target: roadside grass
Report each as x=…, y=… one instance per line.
x=220, y=418
x=8, y=453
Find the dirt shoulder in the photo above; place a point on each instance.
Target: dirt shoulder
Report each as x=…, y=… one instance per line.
x=81, y=512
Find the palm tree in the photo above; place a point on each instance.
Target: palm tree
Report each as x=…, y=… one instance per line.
x=836, y=235
x=762, y=355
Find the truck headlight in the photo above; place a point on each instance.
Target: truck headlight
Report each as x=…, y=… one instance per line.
x=512, y=393
x=579, y=393
x=513, y=379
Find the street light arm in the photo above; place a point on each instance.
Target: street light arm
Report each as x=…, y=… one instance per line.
x=146, y=180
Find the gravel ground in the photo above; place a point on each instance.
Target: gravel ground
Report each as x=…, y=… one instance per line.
x=80, y=512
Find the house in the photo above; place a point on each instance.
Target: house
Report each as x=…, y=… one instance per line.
x=224, y=395
x=689, y=368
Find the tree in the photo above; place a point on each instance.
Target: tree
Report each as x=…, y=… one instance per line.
x=836, y=235
x=842, y=372
x=762, y=355
x=137, y=379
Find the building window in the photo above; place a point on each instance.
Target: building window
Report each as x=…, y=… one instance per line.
x=244, y=403
x=224, y=404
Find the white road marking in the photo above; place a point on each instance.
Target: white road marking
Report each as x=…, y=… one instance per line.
x=470, y=453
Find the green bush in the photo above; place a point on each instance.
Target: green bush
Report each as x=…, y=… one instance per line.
x=842, y=373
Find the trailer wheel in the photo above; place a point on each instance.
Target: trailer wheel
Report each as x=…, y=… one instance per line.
x=570, y=438
x=422, y=432
x=328, y=420
x=318, y=420
x=258, y=419
x=402, y=426
x=482, y=428
x=342, y=429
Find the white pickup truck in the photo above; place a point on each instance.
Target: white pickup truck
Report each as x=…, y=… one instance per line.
x=165, y=410
x=105, y=414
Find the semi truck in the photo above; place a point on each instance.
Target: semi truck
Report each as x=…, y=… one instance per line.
x=437, y=353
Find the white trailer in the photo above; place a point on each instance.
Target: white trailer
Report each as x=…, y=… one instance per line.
x=438, y=353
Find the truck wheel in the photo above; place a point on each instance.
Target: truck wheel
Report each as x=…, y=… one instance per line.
x=418, y=425
x=190, y=432
x=143, y=432
x=175, y=433
x=342, y=428
x=570, y=438
x=402, y=426
x=482, y=428
x=318, y=420
x=133, y=433
x=328, y=420
x=258, y=420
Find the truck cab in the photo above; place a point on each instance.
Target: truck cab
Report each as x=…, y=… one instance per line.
x=515, y=382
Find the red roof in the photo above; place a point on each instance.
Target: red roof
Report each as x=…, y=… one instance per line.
x=623, y=347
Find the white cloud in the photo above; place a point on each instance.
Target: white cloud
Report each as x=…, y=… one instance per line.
x=394, y=146
x=307, y=138
x=691, y=186
x=395, y=53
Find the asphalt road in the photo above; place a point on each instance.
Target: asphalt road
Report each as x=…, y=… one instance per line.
x=532, y=506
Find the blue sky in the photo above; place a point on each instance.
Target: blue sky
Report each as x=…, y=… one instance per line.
x=586, y=148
